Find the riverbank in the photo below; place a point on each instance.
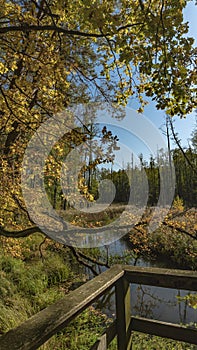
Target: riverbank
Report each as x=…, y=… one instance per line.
x=175, y=241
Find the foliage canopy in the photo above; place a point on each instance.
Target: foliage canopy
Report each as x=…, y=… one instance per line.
x=55, y=53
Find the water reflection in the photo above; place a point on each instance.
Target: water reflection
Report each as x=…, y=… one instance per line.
x=146, y=301
x=153, y=302
x=161, y=304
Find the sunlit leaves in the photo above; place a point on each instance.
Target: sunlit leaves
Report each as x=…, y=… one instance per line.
x=174, y=240
x=57, y=53
x=126, y=34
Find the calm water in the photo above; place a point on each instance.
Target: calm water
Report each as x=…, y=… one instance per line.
x=152, y=302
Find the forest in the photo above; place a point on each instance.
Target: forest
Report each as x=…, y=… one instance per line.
x=184, y=163
x=67, y=212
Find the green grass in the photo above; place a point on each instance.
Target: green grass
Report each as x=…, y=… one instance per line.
x=81, y=334
x=27, y=287
x=30, y=284
x=149, y=342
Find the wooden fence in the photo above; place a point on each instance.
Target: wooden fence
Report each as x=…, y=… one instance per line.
x=42, y=326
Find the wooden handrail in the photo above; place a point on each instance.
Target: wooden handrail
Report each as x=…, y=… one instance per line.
x=42, y=326
x=167, y=278
x=164, y=329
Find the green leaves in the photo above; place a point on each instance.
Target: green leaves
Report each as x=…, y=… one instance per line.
x=58, y=53
x=61, y=39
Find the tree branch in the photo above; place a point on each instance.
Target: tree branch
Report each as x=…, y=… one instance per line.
x=77, y=256
x=141, y=5
x=181, y=149
x=25, y=28
x=28, y=28
x=93, y=260
x=19, y=234
x=40, y=249
x=180, y=229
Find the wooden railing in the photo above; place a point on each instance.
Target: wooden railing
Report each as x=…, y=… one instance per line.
x=42, y=326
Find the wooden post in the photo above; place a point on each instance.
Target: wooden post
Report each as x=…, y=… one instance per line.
x=123, y=314
x=102, y=343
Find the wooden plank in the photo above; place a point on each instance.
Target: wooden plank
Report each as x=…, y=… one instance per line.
x=102, y=345
x=167, y=278
x=164, y=329
x=40, y=327
x=106, y=338
x=123, y=314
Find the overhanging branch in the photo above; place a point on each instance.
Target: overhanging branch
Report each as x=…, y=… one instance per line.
x=180, y=229
x=39, y=28
x=28, y=28
x=19, y=234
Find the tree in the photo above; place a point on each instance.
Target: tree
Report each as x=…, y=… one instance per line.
x=185, y=175
x=194, y=137
x=58, y=53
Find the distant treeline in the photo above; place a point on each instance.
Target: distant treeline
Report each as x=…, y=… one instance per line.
x=185, y=166
x=141, y=181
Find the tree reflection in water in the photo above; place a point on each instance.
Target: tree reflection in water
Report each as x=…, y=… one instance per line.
x=152, y=302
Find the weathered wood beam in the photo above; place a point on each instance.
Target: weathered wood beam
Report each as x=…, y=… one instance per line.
x=106, y=338
x=42, y=326
x=164, y=329
x=123, y=313
x=167, y=278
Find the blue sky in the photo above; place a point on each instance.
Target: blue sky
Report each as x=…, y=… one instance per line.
x=129, y=143
x=184, y=126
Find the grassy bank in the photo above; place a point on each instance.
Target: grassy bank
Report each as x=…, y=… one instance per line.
x=34, y=273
